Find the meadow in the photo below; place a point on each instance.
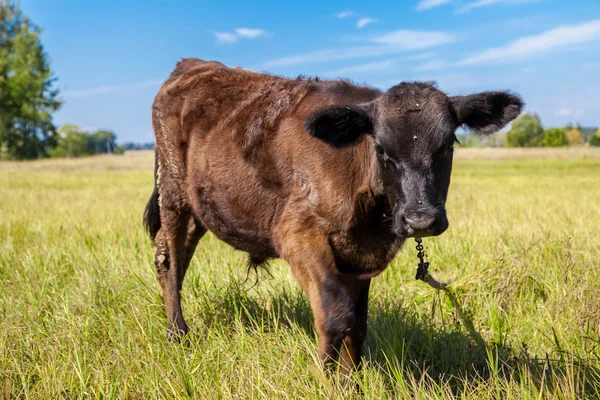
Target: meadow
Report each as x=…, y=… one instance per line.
x=81, y=314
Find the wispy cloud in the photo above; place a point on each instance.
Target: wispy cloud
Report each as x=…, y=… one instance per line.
x=484, y=3
x=226, y=37
x=392, y=43
x=361, y=23
x=476, y=4
x=553, y=39
x=250, y=33
x=420, y=56
x=246, y=33
x=412, y=40
x=433, y=65
x=566, y=113
x=368, y=67
x=110, y=89
x=427, y=4
x=345, y=14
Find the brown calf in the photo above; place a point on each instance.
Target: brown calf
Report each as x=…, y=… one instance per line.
x=329, y=176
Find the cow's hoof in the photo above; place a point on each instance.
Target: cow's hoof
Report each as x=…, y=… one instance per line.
x=176, y=334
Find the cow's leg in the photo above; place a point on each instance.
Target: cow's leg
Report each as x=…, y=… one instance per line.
x=170, y=258
x=194, y=234
x=175, y=216
x=352, y=344
x=334, y=301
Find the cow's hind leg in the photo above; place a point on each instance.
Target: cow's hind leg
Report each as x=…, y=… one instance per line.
x=170, y=257
x=175, y=244
x=195, y=232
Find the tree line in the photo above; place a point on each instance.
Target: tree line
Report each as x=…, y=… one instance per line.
x=28, y=99
x=527, y=131
x=72, y=141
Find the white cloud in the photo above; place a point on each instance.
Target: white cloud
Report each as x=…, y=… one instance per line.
x=484, y=3
x=250, y=33
x=566, y=113
x=427, y=4
x=476, y=4
x=245, y=33
x=433, y=65
x=368, y=67
x=412, y=40
x=361, y=23
x=345, y=14
x=226, y=37
x=110, y=89
x=557, y=38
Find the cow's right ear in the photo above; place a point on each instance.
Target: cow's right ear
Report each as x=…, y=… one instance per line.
x=340, y=125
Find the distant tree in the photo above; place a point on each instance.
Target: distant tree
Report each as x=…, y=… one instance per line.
x=555, y=137
x=71, y=141
x=575, y=137
x=103, y=142
x=27, y=96
x=594, y=139
x=526, y=131
x=150, y=145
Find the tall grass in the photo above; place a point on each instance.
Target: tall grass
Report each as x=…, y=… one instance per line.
x=81, y=314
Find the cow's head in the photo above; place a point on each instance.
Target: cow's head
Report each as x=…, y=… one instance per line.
x=413, y=128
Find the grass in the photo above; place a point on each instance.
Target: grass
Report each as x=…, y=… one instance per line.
x=81, y=314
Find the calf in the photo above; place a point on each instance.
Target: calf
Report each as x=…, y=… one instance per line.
x=330, y=176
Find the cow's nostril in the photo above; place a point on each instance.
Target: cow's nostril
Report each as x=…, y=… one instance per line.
x=421, y=223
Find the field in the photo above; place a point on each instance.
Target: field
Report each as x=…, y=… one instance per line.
x=81, y=314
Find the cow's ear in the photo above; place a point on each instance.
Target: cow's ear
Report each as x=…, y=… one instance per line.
x=340, y=125
x=487, y=112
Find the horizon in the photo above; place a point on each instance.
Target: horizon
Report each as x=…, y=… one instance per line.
x=547, y=51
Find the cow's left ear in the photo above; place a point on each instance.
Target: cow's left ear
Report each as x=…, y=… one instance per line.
x=487, y=112
x=340, y=125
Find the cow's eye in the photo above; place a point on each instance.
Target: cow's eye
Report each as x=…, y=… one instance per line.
x=379, y=149
x=449, y=149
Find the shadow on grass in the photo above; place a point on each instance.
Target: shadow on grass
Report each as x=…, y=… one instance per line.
x=404, y=342
x=401, y=341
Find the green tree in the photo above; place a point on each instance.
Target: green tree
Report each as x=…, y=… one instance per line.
x=594, y=139
x=526, y=131
x=27, y=95
x=554, y=137
x=103, y=142
x=71, y=141
x=575, y=137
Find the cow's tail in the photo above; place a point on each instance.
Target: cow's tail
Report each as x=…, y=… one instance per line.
x=152, y=212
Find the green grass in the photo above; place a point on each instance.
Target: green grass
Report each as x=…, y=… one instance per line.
x=81, y=314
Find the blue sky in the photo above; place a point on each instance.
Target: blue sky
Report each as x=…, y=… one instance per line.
x=110, y=57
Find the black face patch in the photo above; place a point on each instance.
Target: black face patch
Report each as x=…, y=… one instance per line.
x=414, y=139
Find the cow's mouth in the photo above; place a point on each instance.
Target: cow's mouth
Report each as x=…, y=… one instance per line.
x=435, y=228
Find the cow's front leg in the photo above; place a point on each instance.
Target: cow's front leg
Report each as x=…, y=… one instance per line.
x=352, y=344
x=335, y=301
